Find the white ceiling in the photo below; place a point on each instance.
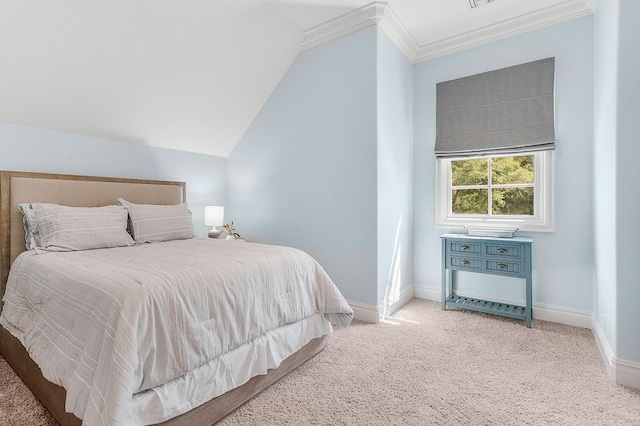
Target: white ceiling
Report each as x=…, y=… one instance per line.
x=187, y=74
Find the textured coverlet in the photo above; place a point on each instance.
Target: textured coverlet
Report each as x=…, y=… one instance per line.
x=107, y=324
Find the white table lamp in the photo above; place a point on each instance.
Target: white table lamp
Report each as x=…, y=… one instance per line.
x=214, y=216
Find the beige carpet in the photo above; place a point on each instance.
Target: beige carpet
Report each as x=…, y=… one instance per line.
x=425, y=366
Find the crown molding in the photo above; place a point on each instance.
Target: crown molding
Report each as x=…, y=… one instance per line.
x=375, y=13
x=364, y=17
x=380, y=13
x=398, y=33
x=546, y=17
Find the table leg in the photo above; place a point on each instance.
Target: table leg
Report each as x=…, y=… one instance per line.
x=452, y=281
x=443, y=295
x=529, y=310
x=529, y=273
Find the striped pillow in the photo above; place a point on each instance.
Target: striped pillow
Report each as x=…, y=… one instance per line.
x=152, y=223
x=63, y=228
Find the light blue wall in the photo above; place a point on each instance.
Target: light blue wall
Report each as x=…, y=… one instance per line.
x=628, y=182
x=31, y=149
x=395, y=171
x=304, y=173
x=616, y=179
x=563, y=260
x=604, y=169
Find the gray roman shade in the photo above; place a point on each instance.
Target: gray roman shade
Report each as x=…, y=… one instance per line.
x=509, y=110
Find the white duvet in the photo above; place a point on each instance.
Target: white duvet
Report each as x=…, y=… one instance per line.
x=122, y=329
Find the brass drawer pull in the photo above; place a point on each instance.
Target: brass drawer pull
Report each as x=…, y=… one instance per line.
x=464, y=247
x=502, y=266
x=464, y=262
x=502, y=250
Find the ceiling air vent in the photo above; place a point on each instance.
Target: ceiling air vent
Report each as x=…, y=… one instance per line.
x=476, y=3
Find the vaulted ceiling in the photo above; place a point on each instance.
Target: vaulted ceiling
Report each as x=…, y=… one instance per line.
x=192, y=74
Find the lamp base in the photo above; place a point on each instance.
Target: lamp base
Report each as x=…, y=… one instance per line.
x=214, y=233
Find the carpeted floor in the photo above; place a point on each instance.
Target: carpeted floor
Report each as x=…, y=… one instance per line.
x=425, y=366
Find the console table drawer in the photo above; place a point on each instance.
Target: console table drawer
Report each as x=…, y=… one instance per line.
x=503, y=250
x=460, y=262
x=466, y=247
x=504, y=267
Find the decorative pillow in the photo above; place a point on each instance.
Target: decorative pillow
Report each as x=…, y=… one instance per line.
x=152, y=223
x=63, y=228
x=31, y=234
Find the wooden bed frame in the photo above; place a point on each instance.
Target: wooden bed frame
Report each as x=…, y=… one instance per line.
x=91, y=191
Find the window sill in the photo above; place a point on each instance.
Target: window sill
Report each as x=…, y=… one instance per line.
x=521, y=224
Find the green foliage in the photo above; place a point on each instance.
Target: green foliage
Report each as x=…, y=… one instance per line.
x=469, y=172
x=470, y=201
x=512, y=201
x=504, y=171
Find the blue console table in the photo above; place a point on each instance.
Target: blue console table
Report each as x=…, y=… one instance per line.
x=486, y=255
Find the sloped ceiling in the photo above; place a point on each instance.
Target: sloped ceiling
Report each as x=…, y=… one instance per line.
x=182, y=74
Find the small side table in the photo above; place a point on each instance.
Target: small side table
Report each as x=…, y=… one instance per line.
x=486, y=255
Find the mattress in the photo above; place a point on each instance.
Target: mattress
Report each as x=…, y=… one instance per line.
x=140, y=334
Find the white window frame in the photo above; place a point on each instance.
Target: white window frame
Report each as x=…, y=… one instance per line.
x=543, y=198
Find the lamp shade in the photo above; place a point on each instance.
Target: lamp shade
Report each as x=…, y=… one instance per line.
x=214, y=215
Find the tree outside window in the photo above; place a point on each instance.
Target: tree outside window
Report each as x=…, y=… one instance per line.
x=493, y=186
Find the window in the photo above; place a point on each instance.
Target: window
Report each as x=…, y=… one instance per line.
x=501, y=190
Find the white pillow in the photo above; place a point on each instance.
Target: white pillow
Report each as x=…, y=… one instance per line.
x=152, y=223
x=31, y=235
x=63, y=228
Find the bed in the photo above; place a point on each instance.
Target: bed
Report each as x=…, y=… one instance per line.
x=264, y=311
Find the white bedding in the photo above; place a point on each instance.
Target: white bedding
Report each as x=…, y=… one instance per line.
x=130, y=330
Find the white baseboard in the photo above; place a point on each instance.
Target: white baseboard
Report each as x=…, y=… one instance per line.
x=364, y=312
x=627, y=373
x=606, y=351
x=552, y=313
x=427, y=293
x=374, y=314
x=541, y=311
x=405, y=296
x=621, y=371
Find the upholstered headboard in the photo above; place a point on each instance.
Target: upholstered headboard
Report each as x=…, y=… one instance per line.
x=68, y=190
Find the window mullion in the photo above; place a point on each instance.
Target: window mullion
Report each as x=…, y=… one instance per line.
x=449, y=176
x=469, y=187
x=489, y=191
x=514, y=185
